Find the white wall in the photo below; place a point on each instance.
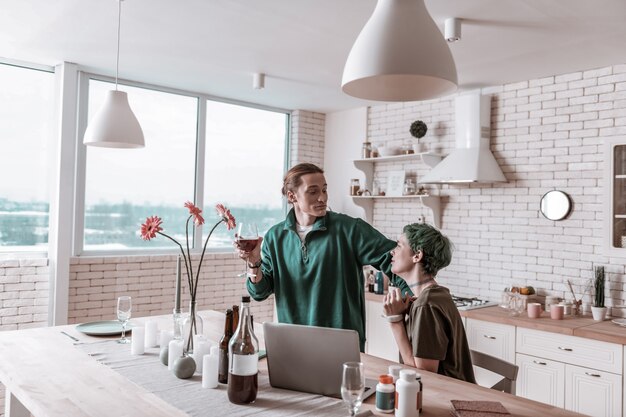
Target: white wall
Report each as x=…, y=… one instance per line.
x=345, y=133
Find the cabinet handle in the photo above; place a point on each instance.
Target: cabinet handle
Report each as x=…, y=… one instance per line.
x=539, y=363
x=565, y=349
x=594, y=375
x=489, y=337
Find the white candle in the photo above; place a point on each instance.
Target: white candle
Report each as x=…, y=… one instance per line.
x=137, y=341
x=175, y=351
x=166, y=336
x=177, y=300
x=209, y=368
x=152, y=328
x=201, y=347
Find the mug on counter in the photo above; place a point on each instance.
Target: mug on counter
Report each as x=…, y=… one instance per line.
x=534, y=310
x=557, y=311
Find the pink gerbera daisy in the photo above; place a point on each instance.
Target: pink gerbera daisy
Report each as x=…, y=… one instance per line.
x=151, y=227
x=225, y=214
x=195, y=212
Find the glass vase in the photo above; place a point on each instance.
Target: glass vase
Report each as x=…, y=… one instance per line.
x=192, y=325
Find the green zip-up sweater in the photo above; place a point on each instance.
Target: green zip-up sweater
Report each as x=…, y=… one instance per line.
x=320, y=282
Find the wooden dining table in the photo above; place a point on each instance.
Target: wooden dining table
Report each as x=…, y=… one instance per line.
x=46, y=373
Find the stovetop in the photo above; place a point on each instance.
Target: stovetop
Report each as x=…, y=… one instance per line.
x=466, y=303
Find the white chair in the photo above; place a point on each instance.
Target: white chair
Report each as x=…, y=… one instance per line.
x=507, y=370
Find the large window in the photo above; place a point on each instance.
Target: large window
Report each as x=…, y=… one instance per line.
x=26, y=116
x=243, y=164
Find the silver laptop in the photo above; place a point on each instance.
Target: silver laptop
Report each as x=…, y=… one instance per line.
x=310, y=359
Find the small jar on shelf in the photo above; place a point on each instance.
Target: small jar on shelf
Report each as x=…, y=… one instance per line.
x=355, y=186
x=367, y=150
x=409, y=187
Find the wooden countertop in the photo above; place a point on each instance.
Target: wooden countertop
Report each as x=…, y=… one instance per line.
x=52, y=378
x=581, y=326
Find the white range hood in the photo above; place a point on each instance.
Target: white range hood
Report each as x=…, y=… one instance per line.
x=472, y=160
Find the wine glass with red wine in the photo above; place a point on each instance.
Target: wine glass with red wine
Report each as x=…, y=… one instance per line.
x=247, y=238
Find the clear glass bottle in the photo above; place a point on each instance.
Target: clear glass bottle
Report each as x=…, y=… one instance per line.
x=192, y=325
x=243, y=351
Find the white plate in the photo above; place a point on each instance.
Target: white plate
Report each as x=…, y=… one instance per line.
x=619, y=322
x=103, y=328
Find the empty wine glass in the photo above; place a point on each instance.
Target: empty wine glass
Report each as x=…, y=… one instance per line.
x=247, y=238
x=353, y=386
x=124, y=308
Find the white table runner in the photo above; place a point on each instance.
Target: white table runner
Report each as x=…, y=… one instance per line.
x=188, y=395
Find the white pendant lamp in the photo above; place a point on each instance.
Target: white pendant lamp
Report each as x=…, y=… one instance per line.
x=400, y=55
x=115, y=124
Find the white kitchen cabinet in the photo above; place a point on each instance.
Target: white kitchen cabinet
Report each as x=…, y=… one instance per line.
x=367, y=166
x=380, y=341
x=541, y=380
x=492, y=338
x=593, y=392
x=586, y=373
x=580, y=351
x=615, y=196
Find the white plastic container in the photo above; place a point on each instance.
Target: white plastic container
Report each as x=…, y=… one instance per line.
x=394, y=371
x=407, y=390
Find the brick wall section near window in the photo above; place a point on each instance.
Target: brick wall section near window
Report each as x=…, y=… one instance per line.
x=96, y=282
x=547, y=134
x=23, y=293
x=307, y=137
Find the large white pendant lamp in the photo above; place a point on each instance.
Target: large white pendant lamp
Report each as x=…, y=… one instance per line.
x=400, y=55
x=115, y=124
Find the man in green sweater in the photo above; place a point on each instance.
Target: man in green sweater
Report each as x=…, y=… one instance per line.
x=313, y=261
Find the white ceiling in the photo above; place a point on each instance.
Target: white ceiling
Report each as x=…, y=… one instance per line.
x=214, y=46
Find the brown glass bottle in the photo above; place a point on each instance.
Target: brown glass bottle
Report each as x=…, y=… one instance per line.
x=222, y=374
x=235, y=318
x=243, y=351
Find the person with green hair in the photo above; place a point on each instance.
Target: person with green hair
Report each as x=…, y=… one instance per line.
x=427, y=327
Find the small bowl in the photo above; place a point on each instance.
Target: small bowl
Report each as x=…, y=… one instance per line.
x=388, y=150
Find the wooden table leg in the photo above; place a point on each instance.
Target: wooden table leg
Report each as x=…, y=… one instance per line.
x=13, y=407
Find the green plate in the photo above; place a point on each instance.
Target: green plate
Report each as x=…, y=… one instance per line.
x=103, y=328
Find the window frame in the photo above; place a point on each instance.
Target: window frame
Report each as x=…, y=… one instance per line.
x=81, y=158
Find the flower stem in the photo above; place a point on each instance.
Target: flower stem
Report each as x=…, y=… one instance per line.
x=202, y=256
x=187, y=266
x=189, y=277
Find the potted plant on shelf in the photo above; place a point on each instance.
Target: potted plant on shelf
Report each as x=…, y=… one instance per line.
x=598, y=310
x=418, y=130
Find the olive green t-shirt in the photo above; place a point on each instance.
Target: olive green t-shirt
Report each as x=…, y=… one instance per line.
x=436, y=331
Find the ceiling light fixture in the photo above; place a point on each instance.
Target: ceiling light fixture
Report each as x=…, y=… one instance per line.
x=115, y=125
x=452, y=29
x=399, y=55
x=258, y=81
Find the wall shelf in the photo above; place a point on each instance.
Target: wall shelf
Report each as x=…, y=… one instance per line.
x=367, y=167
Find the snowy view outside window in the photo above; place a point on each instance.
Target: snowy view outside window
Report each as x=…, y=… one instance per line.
x=26, y=115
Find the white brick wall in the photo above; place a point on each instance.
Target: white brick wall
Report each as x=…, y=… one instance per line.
x=23, y=293
x=307, y=138
x=546, y=134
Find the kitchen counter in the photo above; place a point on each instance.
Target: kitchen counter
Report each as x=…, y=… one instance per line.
x=581, y=326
